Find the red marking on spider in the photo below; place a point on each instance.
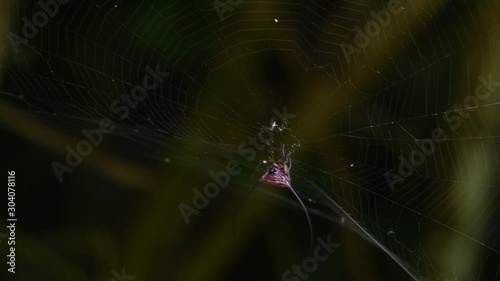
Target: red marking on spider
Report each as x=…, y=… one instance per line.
x=276, y=175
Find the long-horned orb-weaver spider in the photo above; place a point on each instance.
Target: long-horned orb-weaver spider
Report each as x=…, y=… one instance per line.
x=278, y=174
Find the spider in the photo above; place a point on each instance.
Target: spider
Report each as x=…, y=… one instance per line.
x=278, y=174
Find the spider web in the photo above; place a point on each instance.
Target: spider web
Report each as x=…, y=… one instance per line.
x=353, y=118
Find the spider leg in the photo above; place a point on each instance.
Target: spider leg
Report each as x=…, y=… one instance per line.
x=285, y=156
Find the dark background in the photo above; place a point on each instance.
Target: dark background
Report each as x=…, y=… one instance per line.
x=120, y=207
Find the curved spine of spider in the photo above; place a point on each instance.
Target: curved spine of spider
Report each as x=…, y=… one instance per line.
x=278, y=174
